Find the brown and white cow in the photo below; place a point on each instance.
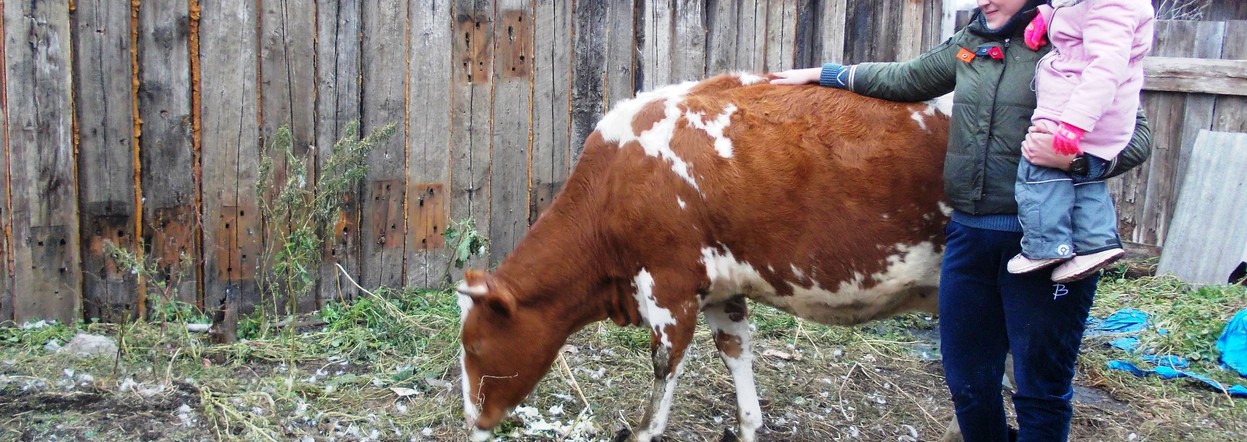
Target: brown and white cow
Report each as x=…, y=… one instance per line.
x=692, y=198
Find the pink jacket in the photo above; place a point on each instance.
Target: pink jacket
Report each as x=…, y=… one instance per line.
x=1094, y=74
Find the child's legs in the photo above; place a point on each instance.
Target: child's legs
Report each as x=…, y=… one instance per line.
x=1095, y=220
x=1045, y=197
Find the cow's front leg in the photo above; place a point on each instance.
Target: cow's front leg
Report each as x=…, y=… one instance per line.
x=729, y=323
x=672, y=326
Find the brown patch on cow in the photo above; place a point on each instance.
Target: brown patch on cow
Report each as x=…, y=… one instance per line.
x=728, y=344
x=649, y=115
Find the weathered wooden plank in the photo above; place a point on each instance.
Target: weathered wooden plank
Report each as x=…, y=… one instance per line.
x=1174, y=112
x=656, y=44
x=911, y=27
x=166, y=147
x=750, y=51
x=832, y=23
x=106, y=149
x=472, y=91
x=1208, y=238
x=1231, y=112
x=383, y=102
x=723, y=25
x=6, y=244
x=807, y=48
x=1197, y=75
x=47, y=275
x=287, y=37
x=428, y=168
x=588, y=65
x=937, y=24
x=338, y=27
x=688, y=51
x=512, y=125
x=551, y=150
x=230, y=152
x=620, y=52
x=1209, y=37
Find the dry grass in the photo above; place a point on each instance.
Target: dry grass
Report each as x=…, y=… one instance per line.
x=370, y=374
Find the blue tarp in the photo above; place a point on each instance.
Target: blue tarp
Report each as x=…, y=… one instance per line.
x=1233, y=343
x=1131, y=322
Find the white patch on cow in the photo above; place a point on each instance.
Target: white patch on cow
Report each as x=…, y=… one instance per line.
x=797, y=272
x=741, y=367
x=715, y=128
x=616, y=126
x=912, y=266
x=469, y=407
x=655, y=316
x=747, y=78
x=661, y=409
x=680, y=201
x=730, y=277
x=922, y=121
x=946, y=209
x=942, y=104
x=479, y=435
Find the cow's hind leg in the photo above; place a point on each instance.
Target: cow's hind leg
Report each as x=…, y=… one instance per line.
x=668, y=345
x=729, y=322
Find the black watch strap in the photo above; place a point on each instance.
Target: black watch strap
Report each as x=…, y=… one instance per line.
x=1078, y=166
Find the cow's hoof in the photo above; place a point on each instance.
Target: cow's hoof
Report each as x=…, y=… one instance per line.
x=623, y=435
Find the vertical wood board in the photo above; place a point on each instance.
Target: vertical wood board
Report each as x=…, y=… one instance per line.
x=588, y=65
x=166, y=148
x=723, y=24
x=513, y=41
x=833, y=25
x=338, y=64
x=384, y=102
x=620, y=53
x=6, y=245
x=551, y=150
x=688, y=42
x=428, y=140
x=472, y=100
x=44, y=198
x=230, y=140
x=1231, y=112
x=656, y=41
x=106, y=130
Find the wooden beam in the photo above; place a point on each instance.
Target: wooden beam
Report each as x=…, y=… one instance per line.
x=1196, y=75
x=338, y=85
x=428, y=167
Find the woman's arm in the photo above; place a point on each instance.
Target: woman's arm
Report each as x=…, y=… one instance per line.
x=1037, y=148
x=931, y=75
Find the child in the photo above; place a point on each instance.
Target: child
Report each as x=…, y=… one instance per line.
x=1087, y=90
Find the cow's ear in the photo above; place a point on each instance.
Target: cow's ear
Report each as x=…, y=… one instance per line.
x=481, y=288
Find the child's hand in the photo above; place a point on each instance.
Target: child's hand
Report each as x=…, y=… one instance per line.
x=1036, y=33
x=1066, y=139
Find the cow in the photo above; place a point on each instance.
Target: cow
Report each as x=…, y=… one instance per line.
x=695, y=197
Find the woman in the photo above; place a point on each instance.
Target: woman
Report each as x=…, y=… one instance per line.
x=985, y=311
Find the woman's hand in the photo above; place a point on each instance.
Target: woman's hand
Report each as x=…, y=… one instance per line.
x=1037, y=148
x=797, y=76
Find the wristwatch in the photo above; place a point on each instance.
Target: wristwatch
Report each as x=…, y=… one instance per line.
x=1078, y=166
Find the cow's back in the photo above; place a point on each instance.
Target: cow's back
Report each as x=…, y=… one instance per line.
x=815, y=200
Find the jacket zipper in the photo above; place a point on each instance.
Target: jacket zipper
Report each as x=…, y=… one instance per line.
x=991, y=121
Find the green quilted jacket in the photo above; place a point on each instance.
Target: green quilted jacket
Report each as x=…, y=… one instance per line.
x=992, y=108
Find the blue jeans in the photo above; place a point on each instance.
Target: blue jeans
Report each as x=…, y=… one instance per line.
x=1063, y=215
x=985, y=312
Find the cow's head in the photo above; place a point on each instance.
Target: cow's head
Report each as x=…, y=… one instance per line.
x=506, y=350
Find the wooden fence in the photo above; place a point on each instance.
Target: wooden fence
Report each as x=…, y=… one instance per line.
x=143, y=122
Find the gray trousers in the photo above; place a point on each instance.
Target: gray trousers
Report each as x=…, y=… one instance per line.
x=1063, y=215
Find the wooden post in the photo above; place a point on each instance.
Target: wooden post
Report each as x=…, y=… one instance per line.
x=512, y=127
x=384, y=102
x=428, y=120
x=231, y=152
x=551, y=150
x=834, y=29
x=106, y=154
x=287, y=37
x=338, y=67
x=781, y=25
x=166, y=148
x=655, y=47
x=688, y=42
x=47, y=273
x=588, y=65
x=471, y=94
x=1231, y=112
x=724, y=20
x=619, y=79
x=6, y=220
